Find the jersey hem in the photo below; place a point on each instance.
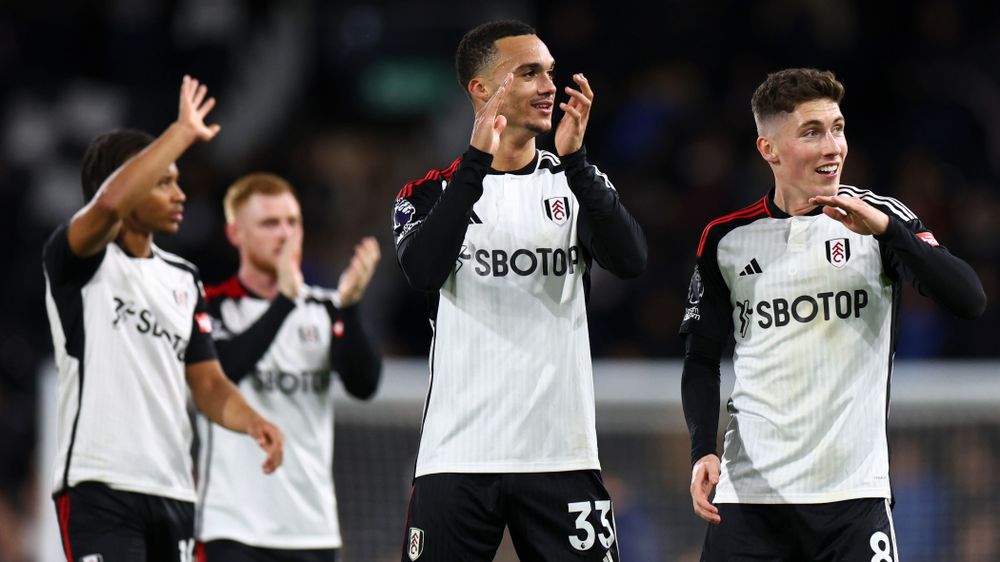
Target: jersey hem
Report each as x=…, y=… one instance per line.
x=163, y=492
x=803, y=498
x=508, y=467
x=283, y=542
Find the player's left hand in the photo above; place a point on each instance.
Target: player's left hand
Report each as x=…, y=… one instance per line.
x=354, y=280
x=854, y=213
x=576, y=113
x=271, y=440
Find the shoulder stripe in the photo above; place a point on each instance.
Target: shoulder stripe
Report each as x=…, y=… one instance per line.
x=547, y=159
x=894, y=205
x=178, y=262
x=758, y=208
x=231, y=289
x=433, y=175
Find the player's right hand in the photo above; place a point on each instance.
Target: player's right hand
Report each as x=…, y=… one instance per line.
x=488, y=125
x=193, y=109
x=288, y=266
x=271, y=440
x=704, y=477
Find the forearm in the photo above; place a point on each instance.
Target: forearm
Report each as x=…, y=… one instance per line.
x=355, y=358
x=616, y=239
x=124, y=188
x=97, y=223
x=427, y=254
x=700, y=394
x=936, y=273
x=240, y=353
x=218, y=398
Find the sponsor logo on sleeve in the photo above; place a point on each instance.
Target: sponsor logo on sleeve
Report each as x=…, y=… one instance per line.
x=204, y=322
x=403, y=213
x=928, y=237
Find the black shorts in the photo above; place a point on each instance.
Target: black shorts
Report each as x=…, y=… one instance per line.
x=847, y=531
x=550, y=516
x=233, y=551
x=98, y=524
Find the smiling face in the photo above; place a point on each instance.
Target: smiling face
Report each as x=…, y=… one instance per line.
x=806, y=148
x=530, y=97
x=162, y=209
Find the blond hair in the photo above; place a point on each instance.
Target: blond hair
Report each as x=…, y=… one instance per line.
x=258, y=182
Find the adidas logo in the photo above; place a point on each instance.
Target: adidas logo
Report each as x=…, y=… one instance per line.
x=752, y=268
x=474, y=218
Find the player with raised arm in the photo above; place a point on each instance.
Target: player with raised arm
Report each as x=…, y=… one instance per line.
x=808, y=281
x=131, y=338
x=281, y=342
x=503, y=242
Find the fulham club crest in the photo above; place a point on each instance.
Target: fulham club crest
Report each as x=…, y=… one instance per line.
x=838, y=251
x=557, y=209
x=415, y=544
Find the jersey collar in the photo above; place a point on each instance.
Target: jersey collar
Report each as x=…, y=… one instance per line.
x=529, y=169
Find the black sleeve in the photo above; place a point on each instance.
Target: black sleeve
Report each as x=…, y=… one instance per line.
x=910, y=252
x=605, y=228
x=240, y=352
x=707, y=323
x=700, y=393
x=430, y=223
x=352, y=355
x=200, y=346
x=62, y=266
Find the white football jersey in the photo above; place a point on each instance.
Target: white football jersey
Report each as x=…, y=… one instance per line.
x=811, y=308
x=511, y=388
x=294, y=507
x=123, y=329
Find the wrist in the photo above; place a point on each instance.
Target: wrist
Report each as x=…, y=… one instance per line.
x=184, y=133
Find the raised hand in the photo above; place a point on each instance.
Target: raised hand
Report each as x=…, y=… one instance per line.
x=488, y=124
x=354, y=280
x=194, y=107
x=288, y=266
x=704, y=477
x=576, y=113
x=854, y=213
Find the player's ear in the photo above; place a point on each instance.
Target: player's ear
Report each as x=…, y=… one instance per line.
x=767, y=150
x=478, y=90
x=232, y=233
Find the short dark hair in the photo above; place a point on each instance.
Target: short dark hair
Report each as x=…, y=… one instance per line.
x=783, y=91
x=478, y=47
x=106, y=153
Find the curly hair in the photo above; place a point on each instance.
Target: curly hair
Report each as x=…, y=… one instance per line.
x=106, y=154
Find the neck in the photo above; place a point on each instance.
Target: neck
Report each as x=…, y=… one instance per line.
x=136, y=243
x=262, y=283
x=793, y=200
x=514, y=152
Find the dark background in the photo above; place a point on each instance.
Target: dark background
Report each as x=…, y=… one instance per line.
x=351, y=100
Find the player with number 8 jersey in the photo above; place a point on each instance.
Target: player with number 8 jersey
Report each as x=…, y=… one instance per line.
x=808, y=281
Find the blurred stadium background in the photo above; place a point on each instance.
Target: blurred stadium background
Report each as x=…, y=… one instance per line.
x=350, y=100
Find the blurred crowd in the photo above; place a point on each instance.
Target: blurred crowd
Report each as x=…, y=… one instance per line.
x=350, y=100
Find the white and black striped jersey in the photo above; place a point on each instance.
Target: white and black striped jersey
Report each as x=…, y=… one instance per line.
x=123, y=329
x=505, y=259
x=283, y=355
x=812, y=308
